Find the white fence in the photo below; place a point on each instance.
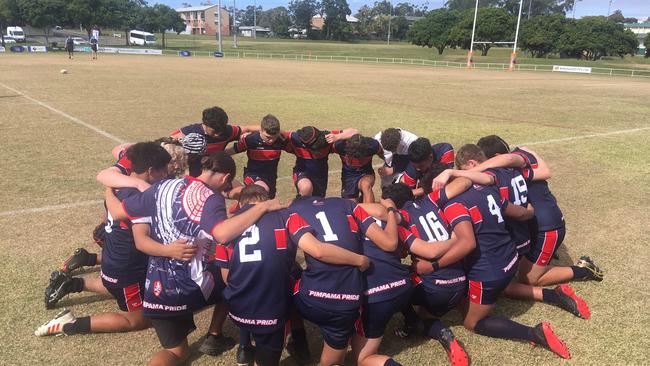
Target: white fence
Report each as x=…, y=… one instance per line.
x=410, y=61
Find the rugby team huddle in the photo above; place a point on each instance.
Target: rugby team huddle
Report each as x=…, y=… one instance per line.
x=489, y=227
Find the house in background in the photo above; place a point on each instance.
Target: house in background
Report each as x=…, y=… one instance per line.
x=317, y=21
x=641, y=30
x=247, y=31
x=203, y=20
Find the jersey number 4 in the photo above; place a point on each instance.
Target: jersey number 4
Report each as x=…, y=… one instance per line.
x=250, y=237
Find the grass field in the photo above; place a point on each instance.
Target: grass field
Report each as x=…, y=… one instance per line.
x=602, y=182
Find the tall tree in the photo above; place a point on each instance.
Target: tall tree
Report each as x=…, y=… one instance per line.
x=492, y=25
x=301, y=12
x=540, y=35
x=247, y=16
x=43, y=14
x=592, y=38
x=434, y=30
x=10, y=14
x=470, y=4
x=277, y=19
x=335, y=24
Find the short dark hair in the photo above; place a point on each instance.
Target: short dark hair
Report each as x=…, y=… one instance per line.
x=215, y=118
x=426, y=182
x=390, y=139
x=253, y=193
x=357, y=146
x=219, y=162
x=400, y=193
x=420, y=150
x=492, y=145
x=312, y=137
x=145, y=155
x=270, y=124
x=469, y=152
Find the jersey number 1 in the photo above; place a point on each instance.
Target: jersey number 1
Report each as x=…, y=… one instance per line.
x=327, y=228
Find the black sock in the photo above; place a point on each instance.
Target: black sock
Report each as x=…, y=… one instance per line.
x=410, y=316
x=391, y=362
x=79, y=326
x=580, y=272
x=433, y=328
x=244, y=337
x=77, y=284
x=92, y=259
x=550, y=296
x=499, y=327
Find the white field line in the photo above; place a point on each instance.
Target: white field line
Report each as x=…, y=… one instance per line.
x=564, y=139
x=49, y=208
x=67, y=116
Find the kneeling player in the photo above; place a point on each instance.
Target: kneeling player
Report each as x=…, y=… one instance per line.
x=395, y=143
x=255, y=269
x=422, y=156
x=357, y=175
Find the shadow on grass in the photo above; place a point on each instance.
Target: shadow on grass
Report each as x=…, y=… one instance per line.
x=68, y=301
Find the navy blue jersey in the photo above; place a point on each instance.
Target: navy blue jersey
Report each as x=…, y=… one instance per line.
x=387, y=278
x=179, y=209
x=495, y=256
x=314, y=163
x=259, y=290
x=214, y=144
x=443, y=153
x=423, y=219
x=263, y=158
x=122, y=263
x=339, y=222
x=361, y=164
x=547, y=212
x=512, y=187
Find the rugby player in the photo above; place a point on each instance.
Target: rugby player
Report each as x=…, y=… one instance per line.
x=421, y=156
x=357, y=174
x=395, y=144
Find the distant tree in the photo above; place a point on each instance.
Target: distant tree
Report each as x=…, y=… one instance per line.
x=10, y=14
x=186, y=5
x=399, y=27
x=383, y=7
x=492, y=25
x=618, y=17
x=132, y=15
x=469, y=4
x=592, y=38
x=301, y=12
x=540, y=35
x=248, y=15
x=101, y=13
x=365, y=20
x=408, y=9
x=335, y=25
x=434, y=30
x=160, y=18
x=276, y=19
x=43, y=14
x=538, y=7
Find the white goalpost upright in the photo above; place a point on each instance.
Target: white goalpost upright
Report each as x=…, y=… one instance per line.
x=513, y=56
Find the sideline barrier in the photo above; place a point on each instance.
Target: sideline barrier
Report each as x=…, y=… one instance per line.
x=2, y=49
x=37, y=48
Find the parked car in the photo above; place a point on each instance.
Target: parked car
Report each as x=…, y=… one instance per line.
x=9, y=39
x=78, y=41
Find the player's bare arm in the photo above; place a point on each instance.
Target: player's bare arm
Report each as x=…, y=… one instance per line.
x=231, y=228
x=433, y=250
x=386, y=238
x=465, y=243
x=114, y=206
x=331, y=253
x=501, y=161
x=179, y=249
x=520, y=213
x=113, y=177
x=476, y=177
x=344, y=135
x=543, y=170
x=250, y=128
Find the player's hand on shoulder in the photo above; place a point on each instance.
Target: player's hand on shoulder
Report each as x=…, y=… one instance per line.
x=330, y=137
x=387, y=202
x=142, y=185
x=441, y=180
x=274, y=205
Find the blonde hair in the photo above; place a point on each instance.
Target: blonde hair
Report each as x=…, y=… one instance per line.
x=178, y=164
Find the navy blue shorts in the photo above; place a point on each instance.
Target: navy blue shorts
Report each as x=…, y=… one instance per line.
x=336, y=326
x=545, y=245
x=271, y=341
x=173, y=330
x=375, y=316
x=251, y=178
x=440, y=302
x=487, y=292
x=350, y=183
x=129, y=297
x=319, y=184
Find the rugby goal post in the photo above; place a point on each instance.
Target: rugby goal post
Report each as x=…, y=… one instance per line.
x=513, y=56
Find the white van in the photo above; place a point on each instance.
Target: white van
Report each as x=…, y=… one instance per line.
x=141, y=38
x=16, y=33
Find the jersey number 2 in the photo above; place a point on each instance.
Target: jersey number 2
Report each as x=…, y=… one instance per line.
x=251, y=237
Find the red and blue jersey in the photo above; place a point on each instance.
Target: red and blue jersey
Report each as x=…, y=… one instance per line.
x=495, y=256
x=214, y=144
x=363, y=164
x=443, y=153
x=313, y=163
x=263, y=158
x=122, y=262
x=512, y=187
x=179, y=209
x=259, y=290
x=547, y=212
x=387, y=278
x=339, y=222
x=424, y=219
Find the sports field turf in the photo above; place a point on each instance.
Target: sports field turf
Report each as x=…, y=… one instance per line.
x=602, y=182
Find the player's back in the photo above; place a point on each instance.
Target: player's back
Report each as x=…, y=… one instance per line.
x=361, y=163
x=547, y=212
x=443, y=153
x=258, y=279
x=426, y=221
x=335, y=222
x=263, y=158
x=494, y=254
x=314, y=162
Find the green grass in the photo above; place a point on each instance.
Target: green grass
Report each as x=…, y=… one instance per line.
x=602, y=183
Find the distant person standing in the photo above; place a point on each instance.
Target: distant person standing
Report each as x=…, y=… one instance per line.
x=94, y=42
x=69, y=46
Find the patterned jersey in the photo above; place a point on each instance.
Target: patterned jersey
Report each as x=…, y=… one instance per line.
x=362, y=164
x=263, y=158
x=494, y=256
x=442, y=153
x=179, y=209
x=214, y=144
x=258, y=290
x=122, y=263
x=387, y=278
x=339, y=222
x=423, y=219
x=314, y=163
x=547, y=212
x=512, y=187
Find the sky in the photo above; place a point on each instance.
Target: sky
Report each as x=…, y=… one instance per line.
x=630, y=8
